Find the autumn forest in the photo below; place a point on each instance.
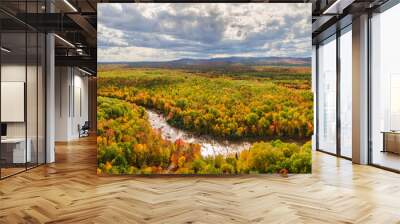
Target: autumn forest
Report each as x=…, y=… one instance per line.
x=268, y=107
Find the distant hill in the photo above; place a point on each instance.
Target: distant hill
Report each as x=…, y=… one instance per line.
x=220, y=62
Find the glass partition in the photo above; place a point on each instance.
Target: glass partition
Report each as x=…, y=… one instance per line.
x=22, y=88
x=327, y=95
x=41, y=97
x=13, y=114
x=31, y=98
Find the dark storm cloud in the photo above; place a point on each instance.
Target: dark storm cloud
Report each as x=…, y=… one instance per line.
x=169, y=31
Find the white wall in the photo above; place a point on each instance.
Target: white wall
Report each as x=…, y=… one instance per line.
x=33, y=126
x=71, y=94
x=62, y=81
x=80, y=109
x=14, y=72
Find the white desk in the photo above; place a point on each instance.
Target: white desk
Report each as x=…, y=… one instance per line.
x=18, y=155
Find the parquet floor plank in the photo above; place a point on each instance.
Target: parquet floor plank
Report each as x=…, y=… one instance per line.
x=69, y=191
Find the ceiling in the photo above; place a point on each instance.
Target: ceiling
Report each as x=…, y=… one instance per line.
x=331, y=15
x=75, y=22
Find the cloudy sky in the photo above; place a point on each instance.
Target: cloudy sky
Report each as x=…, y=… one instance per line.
x=163, y=32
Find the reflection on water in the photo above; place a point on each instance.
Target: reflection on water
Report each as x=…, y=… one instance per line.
x=209, y=146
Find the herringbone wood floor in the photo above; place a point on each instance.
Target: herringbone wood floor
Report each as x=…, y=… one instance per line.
x=70, y=192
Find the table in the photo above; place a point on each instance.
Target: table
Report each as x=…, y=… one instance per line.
x=13, y=150
x=391, y=141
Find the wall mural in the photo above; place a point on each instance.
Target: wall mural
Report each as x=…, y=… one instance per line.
x=204, y=88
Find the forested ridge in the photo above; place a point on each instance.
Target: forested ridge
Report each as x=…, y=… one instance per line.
x=235, y=105
x=219, y=106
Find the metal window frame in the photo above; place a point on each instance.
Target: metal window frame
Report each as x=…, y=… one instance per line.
x=339, y=32
x=381, y=9
x=318, y=93
x=387, y=5
x=338, y=95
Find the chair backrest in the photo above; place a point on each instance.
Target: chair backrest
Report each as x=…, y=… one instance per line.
x=86, y=125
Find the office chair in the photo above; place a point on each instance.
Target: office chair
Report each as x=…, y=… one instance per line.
x=84, y=130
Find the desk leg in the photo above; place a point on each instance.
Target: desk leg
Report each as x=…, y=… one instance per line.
x=384, y=142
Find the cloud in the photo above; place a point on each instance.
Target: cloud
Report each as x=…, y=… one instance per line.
x=161, y=32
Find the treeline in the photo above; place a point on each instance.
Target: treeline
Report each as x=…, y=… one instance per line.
x=128, y=145
x=217, y=106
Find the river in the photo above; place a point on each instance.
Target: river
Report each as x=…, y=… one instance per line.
x=209, y=146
